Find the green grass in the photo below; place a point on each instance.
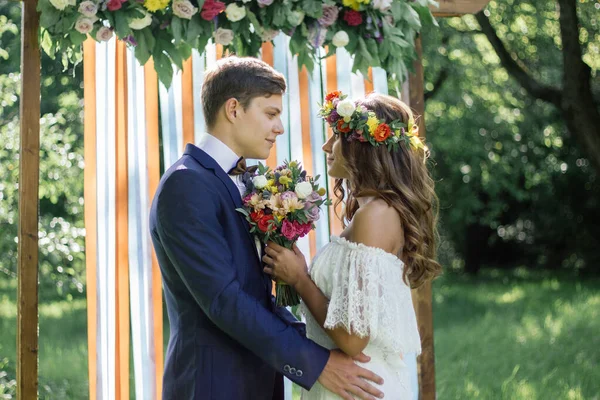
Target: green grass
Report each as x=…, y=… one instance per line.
x=517, y=336
x=498, y=336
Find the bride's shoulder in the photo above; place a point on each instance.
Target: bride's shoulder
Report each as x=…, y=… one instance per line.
x=377, y=224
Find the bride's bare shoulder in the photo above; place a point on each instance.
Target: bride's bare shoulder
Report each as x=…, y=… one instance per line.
x=377, y=224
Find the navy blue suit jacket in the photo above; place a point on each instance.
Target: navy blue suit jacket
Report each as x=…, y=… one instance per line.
x=228, y=340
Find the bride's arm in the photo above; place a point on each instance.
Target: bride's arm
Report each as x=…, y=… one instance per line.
x=317, y=304
x=290, y=267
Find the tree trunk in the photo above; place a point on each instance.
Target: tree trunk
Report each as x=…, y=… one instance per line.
x=575, y=99
x=578, y=105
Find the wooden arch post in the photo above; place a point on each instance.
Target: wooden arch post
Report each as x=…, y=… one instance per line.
x=29, y=173
x=423, y=295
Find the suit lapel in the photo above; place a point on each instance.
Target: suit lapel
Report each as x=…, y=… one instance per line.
x=209, y=163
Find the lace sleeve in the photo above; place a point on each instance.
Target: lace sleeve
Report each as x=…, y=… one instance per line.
x=369, y=298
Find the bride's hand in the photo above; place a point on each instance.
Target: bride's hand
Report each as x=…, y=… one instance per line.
x=284, y=264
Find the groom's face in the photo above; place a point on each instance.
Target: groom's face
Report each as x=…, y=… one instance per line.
x=258, y=126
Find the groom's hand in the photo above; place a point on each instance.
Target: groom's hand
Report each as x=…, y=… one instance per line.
x=344, y=378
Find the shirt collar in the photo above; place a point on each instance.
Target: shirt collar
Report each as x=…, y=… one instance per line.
x=219, y=151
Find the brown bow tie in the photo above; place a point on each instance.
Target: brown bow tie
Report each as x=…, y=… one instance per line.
x=241, y=168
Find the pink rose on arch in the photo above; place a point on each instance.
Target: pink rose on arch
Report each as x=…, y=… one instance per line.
x=288, y=230
x=211, y=8
x=114, y=5
x=264, y=3
x=353, y=18
x=330, y=15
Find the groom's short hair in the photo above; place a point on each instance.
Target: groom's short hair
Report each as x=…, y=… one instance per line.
x=240, y=78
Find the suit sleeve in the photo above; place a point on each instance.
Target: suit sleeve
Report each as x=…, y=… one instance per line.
x=196, y=243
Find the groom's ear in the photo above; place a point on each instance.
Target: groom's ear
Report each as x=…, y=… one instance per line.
x=231, y=108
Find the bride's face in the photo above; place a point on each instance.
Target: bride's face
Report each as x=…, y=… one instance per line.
x=336, y=162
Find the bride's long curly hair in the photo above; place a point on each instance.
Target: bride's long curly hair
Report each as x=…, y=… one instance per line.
x=402, y=180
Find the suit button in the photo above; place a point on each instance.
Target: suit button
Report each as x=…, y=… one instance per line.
x=286, y=368
x=299, y=373
x=292, y=370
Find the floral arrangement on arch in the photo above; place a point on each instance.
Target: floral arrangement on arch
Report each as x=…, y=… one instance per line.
x=379, y=33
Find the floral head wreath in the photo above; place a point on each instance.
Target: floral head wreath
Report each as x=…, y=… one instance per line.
x=357, y=122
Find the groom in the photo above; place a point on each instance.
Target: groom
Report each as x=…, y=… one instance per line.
x=228, y=339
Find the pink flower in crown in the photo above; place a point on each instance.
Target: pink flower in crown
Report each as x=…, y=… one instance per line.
x=288, y=230
x=333, y=117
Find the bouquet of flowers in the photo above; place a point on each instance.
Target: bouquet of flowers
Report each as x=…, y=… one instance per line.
x=282, y=206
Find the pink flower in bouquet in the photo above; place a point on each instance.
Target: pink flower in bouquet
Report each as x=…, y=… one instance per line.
x=302, y=229
x=353, y=18
x=211, y=8
x=330, y=15
x=289, y=230
x=313, y=197
x=288, y=195
x=312, y=211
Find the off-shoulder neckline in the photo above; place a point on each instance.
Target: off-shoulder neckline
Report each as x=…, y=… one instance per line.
x=354, y=245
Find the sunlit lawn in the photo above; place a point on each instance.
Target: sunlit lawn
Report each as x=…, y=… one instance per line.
x=499, y=336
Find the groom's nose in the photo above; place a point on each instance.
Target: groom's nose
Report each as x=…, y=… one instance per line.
x=279, y=127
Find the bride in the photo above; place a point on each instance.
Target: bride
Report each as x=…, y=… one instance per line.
x=356, y=296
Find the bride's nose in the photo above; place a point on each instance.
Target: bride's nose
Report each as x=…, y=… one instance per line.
x=328, y=144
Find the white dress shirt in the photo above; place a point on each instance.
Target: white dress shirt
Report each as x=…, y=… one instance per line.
x=224, y=156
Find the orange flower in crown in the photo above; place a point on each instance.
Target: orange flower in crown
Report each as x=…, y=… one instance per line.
x=382, y=133
x=356, y=122
x=332, y=95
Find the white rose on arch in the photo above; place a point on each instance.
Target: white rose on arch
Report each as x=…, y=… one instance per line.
x=340, y=39
x=223, y=36
x=141, y=23
x=234, y=12
x=84, y=25
x=184, y=9
x=382, y=5
x=60, y=4
x=303, y=189
x=104, y=34
x=88, y=8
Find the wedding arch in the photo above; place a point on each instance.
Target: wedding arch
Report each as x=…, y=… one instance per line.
x=129, y=115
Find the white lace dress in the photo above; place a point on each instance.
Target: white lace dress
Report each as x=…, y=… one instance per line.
x=368, y=296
